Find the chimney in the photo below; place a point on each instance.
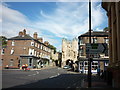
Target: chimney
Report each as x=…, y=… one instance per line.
x=35, y=35
x=40, y=40
x=46, y=43
x=24, y=32
x=20, y=33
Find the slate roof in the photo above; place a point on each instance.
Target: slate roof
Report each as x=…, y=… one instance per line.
x=95, y=33
x=25, y=37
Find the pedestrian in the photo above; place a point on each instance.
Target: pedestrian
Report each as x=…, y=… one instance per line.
x=102, y=74
x=98, y=71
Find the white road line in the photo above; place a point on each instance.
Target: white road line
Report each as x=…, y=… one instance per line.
x=54, y=76
x=29, y=75
x=37, y=72
x=34, y=74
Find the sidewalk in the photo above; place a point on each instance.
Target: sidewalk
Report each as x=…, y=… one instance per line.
x=47, y=67
x=97, y=82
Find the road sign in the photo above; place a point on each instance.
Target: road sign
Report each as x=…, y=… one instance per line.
x=96, y=48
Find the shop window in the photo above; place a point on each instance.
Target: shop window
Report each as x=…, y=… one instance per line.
x=30, y=62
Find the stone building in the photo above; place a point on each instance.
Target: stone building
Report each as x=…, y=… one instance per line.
x=99, y=40
x=24, y=49
x=113, y=13
x=57, y=58
x=69, y=51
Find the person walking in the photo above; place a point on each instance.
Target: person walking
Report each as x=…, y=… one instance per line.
x=98, y=71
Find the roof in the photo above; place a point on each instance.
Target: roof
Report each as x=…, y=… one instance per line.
x=25, y=37
x=95, y=33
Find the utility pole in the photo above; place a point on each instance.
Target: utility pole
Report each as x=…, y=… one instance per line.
x=89, y=58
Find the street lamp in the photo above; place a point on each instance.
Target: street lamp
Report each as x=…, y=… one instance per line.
x=89, y=58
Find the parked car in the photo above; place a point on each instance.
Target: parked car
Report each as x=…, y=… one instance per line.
x=66, y=67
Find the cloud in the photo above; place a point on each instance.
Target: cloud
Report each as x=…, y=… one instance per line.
x=70, y=19
x=67, y=20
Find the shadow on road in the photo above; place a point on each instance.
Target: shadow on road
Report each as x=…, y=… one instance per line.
x=63, y=81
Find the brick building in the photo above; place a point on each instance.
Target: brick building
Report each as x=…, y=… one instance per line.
x=113, y=13
x=100, y=41
x=24, y=49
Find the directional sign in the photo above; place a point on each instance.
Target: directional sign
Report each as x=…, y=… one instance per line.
x=96, y=48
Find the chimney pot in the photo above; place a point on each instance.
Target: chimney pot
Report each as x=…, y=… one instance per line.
x=35, y=35
x=20, y=33
x=40, y=40
x=24, y=32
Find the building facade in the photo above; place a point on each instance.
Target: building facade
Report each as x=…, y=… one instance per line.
x=69, y=51
x=24, y=49
x=113, y=13
x=100, y=41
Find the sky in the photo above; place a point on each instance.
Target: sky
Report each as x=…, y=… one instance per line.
x=51, y=20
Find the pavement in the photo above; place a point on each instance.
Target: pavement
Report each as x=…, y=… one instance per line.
x=46, y=67
x=97, y=82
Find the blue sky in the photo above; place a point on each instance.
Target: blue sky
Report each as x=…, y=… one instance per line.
x=51, y=20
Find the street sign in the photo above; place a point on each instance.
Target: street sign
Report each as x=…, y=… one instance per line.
x=96, y=48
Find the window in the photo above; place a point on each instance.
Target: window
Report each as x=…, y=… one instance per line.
x=3, y=51
x=94, y=40
x=41, y=47
x=35, y=53
x=12, y=51
x=30, y=62
x=30, y=51
x=106, y=63
x=94, y=65
x=32, y=43
x=35, y=44
x=106, y=40
x=11, y=62
x=81, y=41
x=38, y=45
x=13, y=43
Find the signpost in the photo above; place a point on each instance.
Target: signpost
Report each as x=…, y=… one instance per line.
x=96, y=48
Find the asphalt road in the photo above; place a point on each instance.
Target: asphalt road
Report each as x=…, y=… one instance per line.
x=48, y=78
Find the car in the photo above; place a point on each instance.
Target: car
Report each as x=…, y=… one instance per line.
x=66, y=67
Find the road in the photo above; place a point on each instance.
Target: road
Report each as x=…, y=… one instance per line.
x=48, y=78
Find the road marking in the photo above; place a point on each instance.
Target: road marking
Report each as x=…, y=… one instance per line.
x=37, y=72
x=34, y=74
x=29, y=75
x=54, y=76
x=59, y=68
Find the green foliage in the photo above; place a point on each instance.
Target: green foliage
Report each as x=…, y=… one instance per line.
x=52, y=47
x=3, y=40
x=105, y=29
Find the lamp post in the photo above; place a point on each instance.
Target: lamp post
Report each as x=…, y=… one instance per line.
x=89, y=58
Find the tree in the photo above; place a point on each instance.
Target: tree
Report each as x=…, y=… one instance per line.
x=105, y=29
x=3, y=40
x=52, y=47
